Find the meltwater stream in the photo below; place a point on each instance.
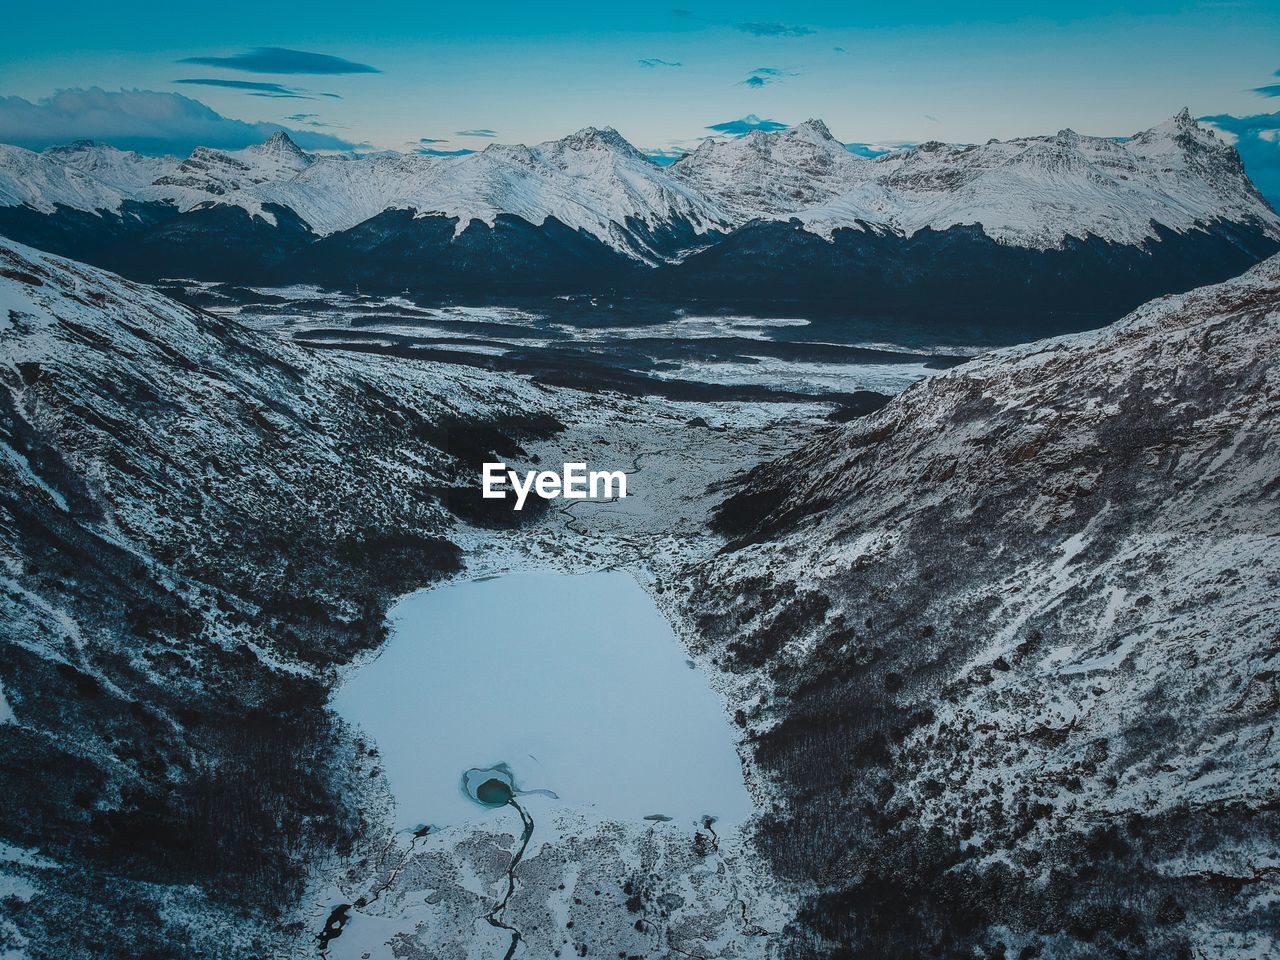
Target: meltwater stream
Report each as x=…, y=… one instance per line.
x=571, y=687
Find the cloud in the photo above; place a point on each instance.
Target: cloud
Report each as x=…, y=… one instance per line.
x=477, y=132
x=746, y=125
x=282, y=60
x=763, y=76
x=838, y=49
x=754, y=27
x=430, y=140
x=651, y=62
x=258, y=89
x=1271, y=90
x=931, y=117
x=1257, y=139
x=430, y=152
x=144, y=120
x=774, y=30
x=311, y=120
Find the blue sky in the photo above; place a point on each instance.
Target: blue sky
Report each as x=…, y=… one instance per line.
x=454, y=77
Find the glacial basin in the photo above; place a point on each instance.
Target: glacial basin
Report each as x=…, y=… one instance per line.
x=571, y=688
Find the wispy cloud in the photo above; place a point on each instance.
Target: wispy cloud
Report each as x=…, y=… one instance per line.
x=763, y=76
x=258, y=89
x=931, y=118
x=477, y=132
x=1270, y=90
x=651, y=62
x=311, y=120
x=746, y=125
x=424, y=146
x=148, y=121
x=774, y=29
x=757, y=28
x=283, y=60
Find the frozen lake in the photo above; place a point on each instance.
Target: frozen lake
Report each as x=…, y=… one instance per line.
x=573, y=685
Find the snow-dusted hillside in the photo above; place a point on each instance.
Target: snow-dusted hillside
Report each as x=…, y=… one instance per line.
x=1008, y=646
x=197, y=523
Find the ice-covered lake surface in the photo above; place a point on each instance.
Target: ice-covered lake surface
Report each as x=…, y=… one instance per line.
x=575, y=685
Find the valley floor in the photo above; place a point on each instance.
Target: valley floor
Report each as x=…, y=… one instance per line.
x=613, y=888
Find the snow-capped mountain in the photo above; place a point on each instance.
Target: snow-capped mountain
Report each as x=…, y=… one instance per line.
x=222, y=173
x=788, y=214
x=43, y=182
x=593, y=181
x=124, y=170
x=1038, y=192
x=1009, y=649
x=1032, y=192
x=770, y=174
x=98, y=178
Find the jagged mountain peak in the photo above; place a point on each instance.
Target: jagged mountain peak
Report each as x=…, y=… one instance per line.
x=280, y=144
x=1181, y=130
x=597, y=138
x=813, y=129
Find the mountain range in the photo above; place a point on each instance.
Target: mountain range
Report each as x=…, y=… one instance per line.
x=1092, y=225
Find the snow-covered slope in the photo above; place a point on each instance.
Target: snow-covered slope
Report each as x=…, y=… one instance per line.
x=1008, y=646
x=197, y=523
